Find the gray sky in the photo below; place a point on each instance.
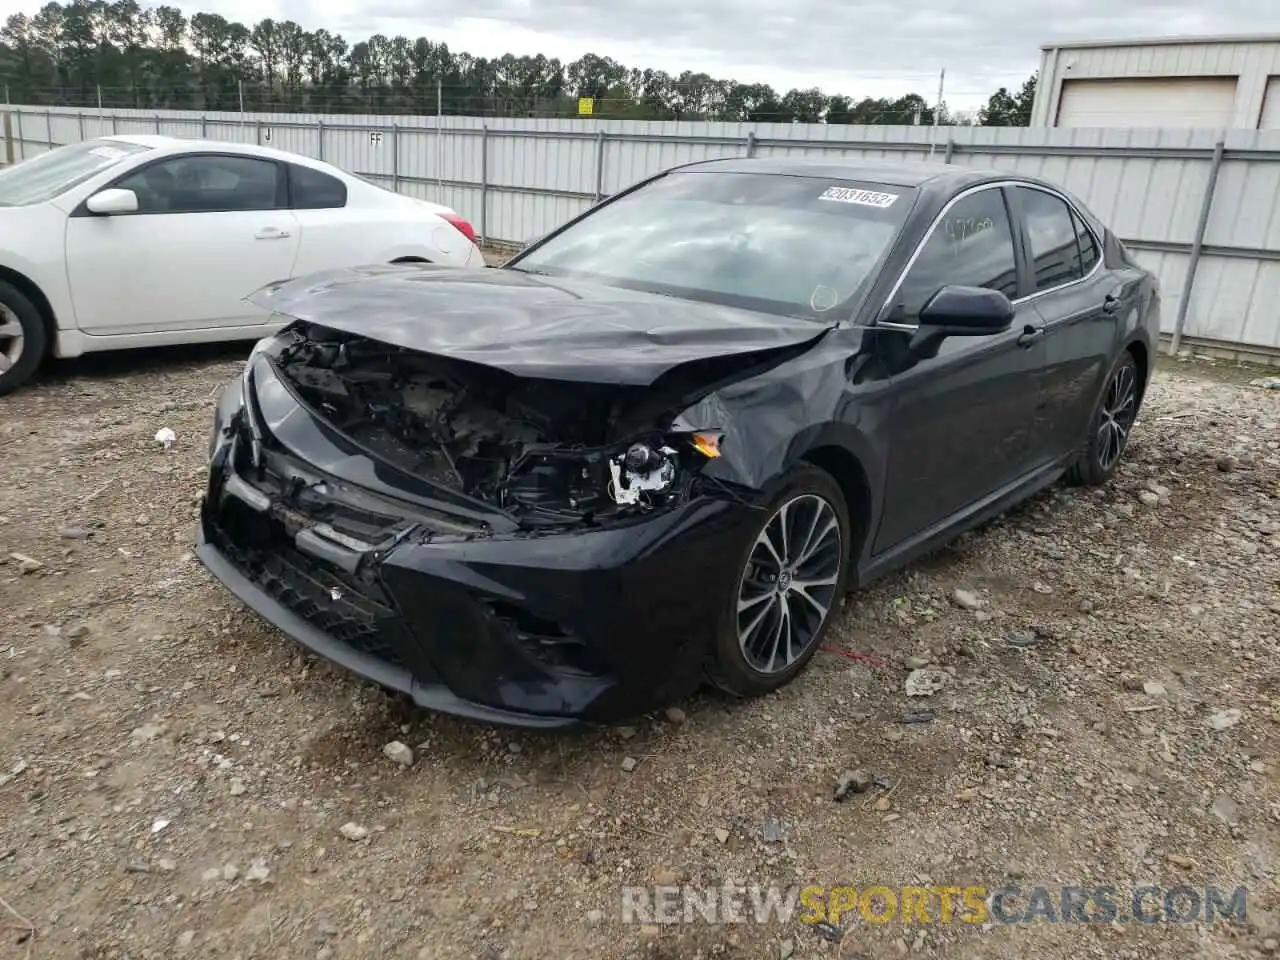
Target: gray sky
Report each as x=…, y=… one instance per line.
x=877, y=48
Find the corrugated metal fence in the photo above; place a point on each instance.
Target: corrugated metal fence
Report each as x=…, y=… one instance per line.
x=1200, y=207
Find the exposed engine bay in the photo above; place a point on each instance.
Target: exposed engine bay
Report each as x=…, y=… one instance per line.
x=546, y=452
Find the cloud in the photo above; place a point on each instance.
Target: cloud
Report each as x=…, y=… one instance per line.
x=875, y=48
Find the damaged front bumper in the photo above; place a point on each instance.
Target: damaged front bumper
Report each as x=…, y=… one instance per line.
x=540, y=629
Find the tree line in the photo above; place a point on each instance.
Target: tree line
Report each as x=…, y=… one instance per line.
x=119, y=54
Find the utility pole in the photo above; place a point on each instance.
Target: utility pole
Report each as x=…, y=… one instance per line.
x=240, y=93
x=937, y=113
x=439, y=138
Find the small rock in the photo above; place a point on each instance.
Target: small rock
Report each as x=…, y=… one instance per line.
x=1185, y=863
x=210, y=875
x=186, y=939
x=595, y=917
x=883, y=805
x=1043, y=588
x=146, y=733
x=353, y=831
x=925, y=682
x=167, y=864
x=1148, y=498
x=853, y=781
x=75, y=633
x=1085, y=606
x=230, y=872
x=675, y=715
x=75, y=533
x=238, y=787
x=1271, y=945
x=629, y=763
x=967, y=795
x=1266, y=383
x=1023, y=639
x=1226, y=810
x=1258, y=766
x=142, y=520
x=258, y=872
x=26, y=564
x=1225, y=464
x=1153, y=688
x=722, y=834
x=771, y=830
x=625, y=733
x=786, y=949
x=967, y=599
x=1225, y=719
x=399, y=753
x=916, y=663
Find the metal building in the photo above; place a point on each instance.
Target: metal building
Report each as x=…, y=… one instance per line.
x=1214, y=82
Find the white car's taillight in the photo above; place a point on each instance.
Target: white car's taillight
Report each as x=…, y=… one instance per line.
x=463, y=226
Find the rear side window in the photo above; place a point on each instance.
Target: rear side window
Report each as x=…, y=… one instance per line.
x=971, y=246
x=1089, y=253
x=1051, y=229
x=313, y=190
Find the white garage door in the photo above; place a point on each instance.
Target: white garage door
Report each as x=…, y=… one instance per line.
x=1163, y=102
x=1271, y=106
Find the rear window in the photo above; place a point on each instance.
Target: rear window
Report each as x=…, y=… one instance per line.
x=314, y=190
x=52, y=174
x=797, y=246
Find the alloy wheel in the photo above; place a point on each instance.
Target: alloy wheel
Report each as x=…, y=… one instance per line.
x=11, y=339
x=789, y=585
x=1119, y=410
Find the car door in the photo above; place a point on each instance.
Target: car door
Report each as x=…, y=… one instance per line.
x=1076, y=298
x=960, y=427
x=210, y=229
x=330, y=236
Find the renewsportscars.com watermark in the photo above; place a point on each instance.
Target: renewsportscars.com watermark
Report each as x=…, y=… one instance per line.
x=975, y=904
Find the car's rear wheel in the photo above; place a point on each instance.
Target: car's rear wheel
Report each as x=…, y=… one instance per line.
x=22, y=338
x=790, y=581
x=1109, y=427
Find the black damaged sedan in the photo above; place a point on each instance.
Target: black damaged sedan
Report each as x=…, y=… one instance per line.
x=656, y=447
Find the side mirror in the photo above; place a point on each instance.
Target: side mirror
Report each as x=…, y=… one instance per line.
x=967, y=311
x=107, y=202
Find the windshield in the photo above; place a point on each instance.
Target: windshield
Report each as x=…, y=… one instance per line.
x=54, y=173
x=796, y=246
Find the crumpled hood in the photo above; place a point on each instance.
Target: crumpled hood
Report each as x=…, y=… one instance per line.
x=530, y=326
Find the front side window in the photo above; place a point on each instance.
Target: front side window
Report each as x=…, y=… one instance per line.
x=794, y=246
x=52, y=174
x=204, y=184
x=1051, y=229
x=971, y=246
x=313, y=190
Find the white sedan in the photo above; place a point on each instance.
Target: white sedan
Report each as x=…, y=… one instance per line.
x=133, y=241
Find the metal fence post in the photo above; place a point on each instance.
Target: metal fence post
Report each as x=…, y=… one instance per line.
x=1197, y=243
x=751, y=144
x=157, y=123
x=80, y=117
x=204, y=127
x=22, y=141
x=951, y=146
x=599, y=165
x=113, y=125
x=320, y=139
x=48, y=126
x=484, y=184
x=395, y=157
x=8, y=137
x=257, y=132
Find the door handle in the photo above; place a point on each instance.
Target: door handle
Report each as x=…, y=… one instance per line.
x=1111, y=303
x=1030, y=335
x=271, y=233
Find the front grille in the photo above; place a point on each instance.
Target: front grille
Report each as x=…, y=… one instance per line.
x=346, y=609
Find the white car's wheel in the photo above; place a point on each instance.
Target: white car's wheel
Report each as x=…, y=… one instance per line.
x=22, y=338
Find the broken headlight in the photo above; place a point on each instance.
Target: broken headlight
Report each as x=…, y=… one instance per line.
x=648, y=473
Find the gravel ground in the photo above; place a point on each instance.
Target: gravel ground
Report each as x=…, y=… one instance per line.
x=178, y=778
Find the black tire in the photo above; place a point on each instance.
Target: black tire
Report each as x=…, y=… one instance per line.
x=17, y=306
x=1100, y=458
x=729, y=667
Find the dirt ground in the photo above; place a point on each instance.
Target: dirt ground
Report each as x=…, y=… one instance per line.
x=177, y=778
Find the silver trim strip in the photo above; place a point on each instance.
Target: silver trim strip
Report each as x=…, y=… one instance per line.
x=993, y=185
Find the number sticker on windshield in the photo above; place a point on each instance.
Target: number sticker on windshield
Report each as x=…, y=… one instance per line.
x=866, y=198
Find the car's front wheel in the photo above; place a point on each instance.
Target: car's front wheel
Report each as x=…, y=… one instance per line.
x=22, y=338
x=790, y=581
x=1109, y=427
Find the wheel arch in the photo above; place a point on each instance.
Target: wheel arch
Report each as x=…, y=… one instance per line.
x=1142, y=357
x=847, y=469
x=31, y=290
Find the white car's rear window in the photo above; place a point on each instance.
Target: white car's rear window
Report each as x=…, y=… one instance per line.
x=51, y=174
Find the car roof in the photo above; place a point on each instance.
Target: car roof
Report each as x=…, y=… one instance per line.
x=896, y=173
x=162, y=142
